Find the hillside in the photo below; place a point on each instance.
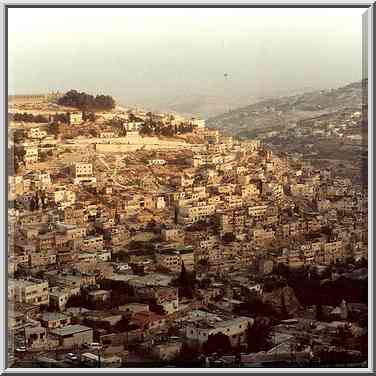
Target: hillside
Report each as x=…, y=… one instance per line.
x=283, y=112
x=192, y=105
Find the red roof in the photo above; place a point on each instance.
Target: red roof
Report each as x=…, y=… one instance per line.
x=145, y=317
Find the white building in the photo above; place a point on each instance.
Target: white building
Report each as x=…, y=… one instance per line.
x=30, y=154
x=75, y=118
x=199, y=331
x=132, y=126
x=83, y=173
x=36, y=133
x=83, y=169
x=192, y=214
x=64, y=197
x=198, y=123
x=153, y=162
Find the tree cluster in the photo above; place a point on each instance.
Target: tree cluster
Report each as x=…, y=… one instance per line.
x=118, y=124
x=217, y=343
x=343, y=335
x=121, y=256
x=86, y=102
x=186, y=283
x=29, y=118
x=189, y=355
x=62, y=118
x=259, y=336
x=88, y=116
x=150, y=128
x=39, y=201
x=19, y=135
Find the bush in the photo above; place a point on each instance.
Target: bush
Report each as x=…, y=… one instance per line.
x=30, y=118
x=217, y=343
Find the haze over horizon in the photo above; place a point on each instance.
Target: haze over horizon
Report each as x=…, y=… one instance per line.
x=183, y=58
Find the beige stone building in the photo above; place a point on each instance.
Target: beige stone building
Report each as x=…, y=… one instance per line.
x=30, y=154
x=71, y=335
x=30, y=291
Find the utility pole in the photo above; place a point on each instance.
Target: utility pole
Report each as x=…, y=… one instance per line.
x=99, y=359
x=24, y=333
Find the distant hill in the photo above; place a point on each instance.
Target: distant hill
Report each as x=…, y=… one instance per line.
x=205, y=105
x=192, y=105
x=276, y=113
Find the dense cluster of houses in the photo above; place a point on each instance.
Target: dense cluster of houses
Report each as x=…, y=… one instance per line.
x=87, y=253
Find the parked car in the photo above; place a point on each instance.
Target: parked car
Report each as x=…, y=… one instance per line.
x=21, y=349
x=71, y=356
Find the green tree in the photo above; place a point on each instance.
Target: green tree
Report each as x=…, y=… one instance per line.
x=86, y=102
x=76, y=301
x=259, y=335
x=121, y=256
x=186, y=283
x=217, y=343
x=342, y=337
x=319, y=313
x=183, y=274
x=30, y=118
x=228, y=237
x=124, y=325
x=88, y=116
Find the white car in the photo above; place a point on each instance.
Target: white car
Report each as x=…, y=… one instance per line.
x=21, y=349
x=123, y=268
x=71, y=356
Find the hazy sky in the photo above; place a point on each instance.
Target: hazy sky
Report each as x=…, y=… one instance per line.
x=135, y=54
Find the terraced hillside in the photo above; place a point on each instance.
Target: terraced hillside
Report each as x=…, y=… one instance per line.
x=281, y=113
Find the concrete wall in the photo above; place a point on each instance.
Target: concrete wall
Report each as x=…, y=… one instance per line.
x=131, y=140
x=129, y=144
x=106, y=148
x=77, y=339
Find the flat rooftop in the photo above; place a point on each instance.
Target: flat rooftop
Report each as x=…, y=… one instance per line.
x=70, y=329
x=25, y=282
x=53, y=316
